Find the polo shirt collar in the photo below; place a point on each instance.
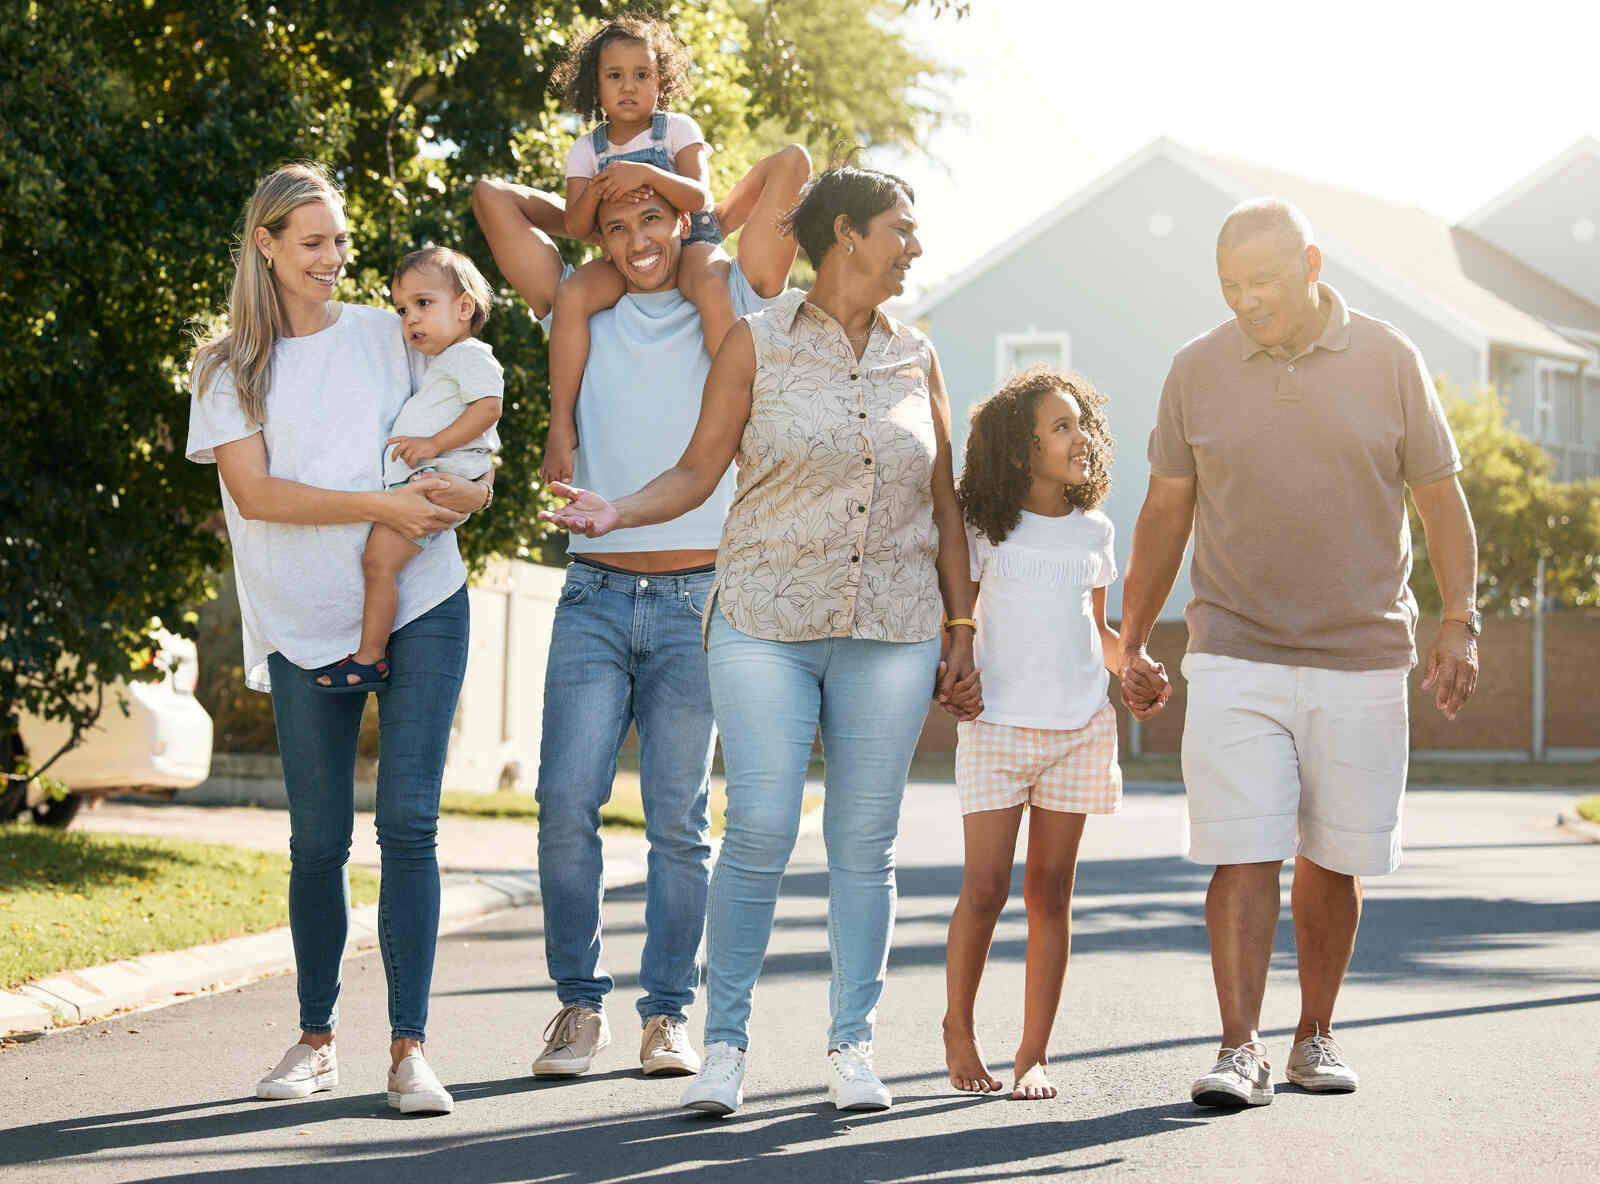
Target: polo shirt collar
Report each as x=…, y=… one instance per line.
x=1335, y=334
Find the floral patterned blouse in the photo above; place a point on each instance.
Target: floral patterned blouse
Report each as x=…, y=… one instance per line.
x=831, y=531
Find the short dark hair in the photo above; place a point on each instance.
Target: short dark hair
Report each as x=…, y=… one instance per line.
x=857, y=193
x=578, y=75
x=456, y=270
x=998, y=470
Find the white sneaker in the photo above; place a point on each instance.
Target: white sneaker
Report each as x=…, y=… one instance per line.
x=665, y=1048
x=1241, y=1077
x=303, y=1071
x=1317, y=1063
x=414, y=1089
x=720, y=1087
x=852, y=1085
x=572, y=1038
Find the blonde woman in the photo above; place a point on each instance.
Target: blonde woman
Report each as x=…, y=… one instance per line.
x=278, y=399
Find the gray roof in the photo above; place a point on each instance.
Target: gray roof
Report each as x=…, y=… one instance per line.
x=1418, y=251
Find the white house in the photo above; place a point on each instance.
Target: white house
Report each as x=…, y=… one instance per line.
x=1121, y=274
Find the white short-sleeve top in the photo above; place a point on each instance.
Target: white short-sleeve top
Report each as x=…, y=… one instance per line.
x=1037, y=644
x=332, y=402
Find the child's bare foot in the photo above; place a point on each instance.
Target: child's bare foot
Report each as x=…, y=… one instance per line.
x=1032, y=1084
x=964, y=1059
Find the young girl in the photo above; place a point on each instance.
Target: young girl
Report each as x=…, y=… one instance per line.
x=626, y=74
x=447, y=426
x=1038, y=463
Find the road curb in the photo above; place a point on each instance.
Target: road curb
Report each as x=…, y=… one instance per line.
x=82, y=996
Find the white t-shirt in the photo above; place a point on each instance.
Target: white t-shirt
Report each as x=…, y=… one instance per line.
x=682, y=131
x=1037, y=643
x=332, y=403
x=456, y=377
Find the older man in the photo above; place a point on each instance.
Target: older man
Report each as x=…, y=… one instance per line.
x=625, y=648
x=1287, y=437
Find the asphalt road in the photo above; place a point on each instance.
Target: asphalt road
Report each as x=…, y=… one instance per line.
x=1472, y=1013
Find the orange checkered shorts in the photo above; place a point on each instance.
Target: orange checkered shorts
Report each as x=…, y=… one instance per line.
x=998, y=766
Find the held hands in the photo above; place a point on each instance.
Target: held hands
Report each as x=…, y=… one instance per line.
x=585, y=513
x=407, y=510
x=959, y=687
x=1452, y=667
x=412, y=449
x=1145, y=685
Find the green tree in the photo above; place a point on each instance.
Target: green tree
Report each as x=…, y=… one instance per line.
x=131, y=132
x=1521, y=516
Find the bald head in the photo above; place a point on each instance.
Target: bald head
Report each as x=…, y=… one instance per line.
x=1266, y=216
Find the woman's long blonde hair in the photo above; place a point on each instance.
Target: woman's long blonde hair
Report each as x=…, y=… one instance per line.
x=255, y=317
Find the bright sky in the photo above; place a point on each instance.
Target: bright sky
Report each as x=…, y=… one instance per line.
x=1413, y=101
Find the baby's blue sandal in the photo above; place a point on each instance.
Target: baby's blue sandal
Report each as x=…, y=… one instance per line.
x=373, y=677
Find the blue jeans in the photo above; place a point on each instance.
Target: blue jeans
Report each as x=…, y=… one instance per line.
x=626, y=649
x=870, y=698
x=317, y=738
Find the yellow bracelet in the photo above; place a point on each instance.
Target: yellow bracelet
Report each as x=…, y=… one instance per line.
x=967, y=621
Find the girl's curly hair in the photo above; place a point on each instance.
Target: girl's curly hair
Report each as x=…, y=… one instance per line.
x=578, y=76
x=1000, y=438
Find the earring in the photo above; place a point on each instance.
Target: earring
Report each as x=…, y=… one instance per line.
x=849, y=248
x=269, y=262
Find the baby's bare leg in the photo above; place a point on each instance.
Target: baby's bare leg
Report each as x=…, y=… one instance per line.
x=387, y=552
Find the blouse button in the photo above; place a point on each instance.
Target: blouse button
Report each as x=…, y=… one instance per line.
x=867, y=461
x=855, y=376
x=861, y=415
x=855, y=559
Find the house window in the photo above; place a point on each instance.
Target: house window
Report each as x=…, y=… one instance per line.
x=1018, y=351
x=1555, y=403
x=1544, y=404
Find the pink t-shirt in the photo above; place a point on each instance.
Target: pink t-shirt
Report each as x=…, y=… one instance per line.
x=681, y=133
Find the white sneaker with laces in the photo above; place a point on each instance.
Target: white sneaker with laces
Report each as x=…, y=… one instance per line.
x=852, y=1085
x=303, y=1071
x=414, y=1089
x=1317, y=1063
x=719, y=1089
x=1241, y=1077
x=665, y=1049
x=573, y=1037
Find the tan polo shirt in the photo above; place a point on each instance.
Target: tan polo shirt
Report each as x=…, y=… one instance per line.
x=1302, y=550
x=831, y=530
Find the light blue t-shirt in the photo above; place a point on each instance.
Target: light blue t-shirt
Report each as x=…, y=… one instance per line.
x=638, y=406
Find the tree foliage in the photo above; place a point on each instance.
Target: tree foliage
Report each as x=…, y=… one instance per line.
x=1521, y=516
x=131, y=134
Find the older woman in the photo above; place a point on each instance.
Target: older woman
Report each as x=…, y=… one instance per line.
x=842, y=532
x=279, y=399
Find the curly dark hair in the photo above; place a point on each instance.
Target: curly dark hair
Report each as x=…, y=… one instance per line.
x=578, y=76
x=1000, y=438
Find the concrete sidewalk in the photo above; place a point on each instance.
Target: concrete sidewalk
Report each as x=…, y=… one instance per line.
x=486, y=865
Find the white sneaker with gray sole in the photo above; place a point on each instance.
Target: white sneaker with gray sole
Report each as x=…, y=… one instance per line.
x=719, y=1089
x=1317, y=1063
x=852, y=1085
x=414, y=1089
x=1241, y=1077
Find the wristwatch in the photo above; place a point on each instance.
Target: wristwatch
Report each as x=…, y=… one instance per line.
x=1472, y=619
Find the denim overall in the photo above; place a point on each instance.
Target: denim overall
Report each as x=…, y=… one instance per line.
x=703, y=226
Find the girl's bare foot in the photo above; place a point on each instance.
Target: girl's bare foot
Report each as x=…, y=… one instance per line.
x=964, y=1059
x=1032, y=1084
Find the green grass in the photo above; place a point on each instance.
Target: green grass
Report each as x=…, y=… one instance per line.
x=70, y=900
x=1589, y=808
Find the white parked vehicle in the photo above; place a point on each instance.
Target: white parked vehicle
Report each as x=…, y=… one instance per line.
x=161, y=744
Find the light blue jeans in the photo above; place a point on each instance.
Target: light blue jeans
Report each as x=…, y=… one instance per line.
x=870, y=698
x=317, y=738
x=626, y=649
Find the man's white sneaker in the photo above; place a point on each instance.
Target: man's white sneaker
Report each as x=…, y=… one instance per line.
x=1317, y=1063
x=665, y=1048
x=1241, y=1077
x=572, y=1038
x=414, y=1089
x=302, y=1072
x=852, y=1085
x=719, y=1089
